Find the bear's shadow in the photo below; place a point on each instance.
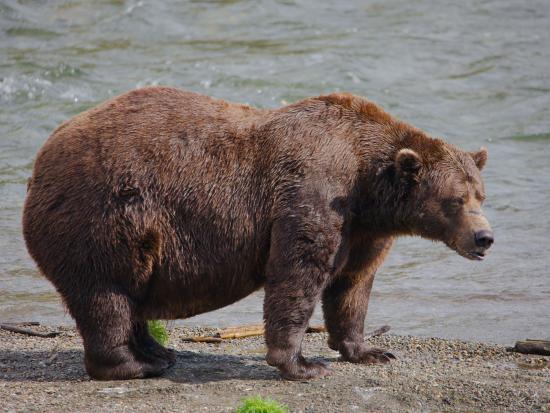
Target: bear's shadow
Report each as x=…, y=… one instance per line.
x=190, y=367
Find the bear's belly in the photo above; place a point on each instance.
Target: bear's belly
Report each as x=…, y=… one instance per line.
x=207, y=273
x=183, y=299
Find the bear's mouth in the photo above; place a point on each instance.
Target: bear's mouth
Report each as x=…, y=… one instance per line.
x=471, y=255
x=475, y=255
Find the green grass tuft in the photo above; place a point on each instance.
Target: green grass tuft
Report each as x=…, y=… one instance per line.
x=158, y=331
x=259, y=405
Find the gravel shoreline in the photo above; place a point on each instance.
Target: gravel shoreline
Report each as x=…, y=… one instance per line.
x=430, y=374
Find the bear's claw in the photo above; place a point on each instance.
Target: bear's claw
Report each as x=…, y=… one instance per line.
x=368, y=355
x=305, y=370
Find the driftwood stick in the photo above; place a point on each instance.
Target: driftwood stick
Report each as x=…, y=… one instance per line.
x=22, y=323
x=14, y=329
x=379, y=331
x=202, y=339
x=531, y=346
x=256, y=330
x=253, y=330
x=230, y=333
x=241, y=334
x=240, y=328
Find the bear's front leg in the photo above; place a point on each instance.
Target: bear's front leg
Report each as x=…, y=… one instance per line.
x=298, y=269
x=346, y=300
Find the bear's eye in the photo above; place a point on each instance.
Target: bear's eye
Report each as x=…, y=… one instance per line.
x=454, y=205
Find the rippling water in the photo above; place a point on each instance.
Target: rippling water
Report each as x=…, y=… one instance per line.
x=474, y=72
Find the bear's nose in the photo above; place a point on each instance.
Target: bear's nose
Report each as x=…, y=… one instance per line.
x=484, y=238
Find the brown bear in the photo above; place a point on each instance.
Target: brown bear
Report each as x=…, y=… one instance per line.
x=164, y=204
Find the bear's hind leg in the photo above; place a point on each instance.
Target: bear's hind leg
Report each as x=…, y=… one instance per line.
x=106, y=321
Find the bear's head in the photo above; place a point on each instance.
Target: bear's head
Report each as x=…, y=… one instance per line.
x=444, y=193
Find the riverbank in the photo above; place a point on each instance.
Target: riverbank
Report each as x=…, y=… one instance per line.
x=47, y=375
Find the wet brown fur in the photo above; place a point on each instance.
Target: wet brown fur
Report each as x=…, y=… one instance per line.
x=163, y=203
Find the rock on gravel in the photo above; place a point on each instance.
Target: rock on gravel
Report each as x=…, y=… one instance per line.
x=429, y=375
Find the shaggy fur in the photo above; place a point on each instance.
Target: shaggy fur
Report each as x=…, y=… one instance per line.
x=163, y=203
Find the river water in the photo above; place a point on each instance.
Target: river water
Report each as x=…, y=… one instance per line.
x=474, y=72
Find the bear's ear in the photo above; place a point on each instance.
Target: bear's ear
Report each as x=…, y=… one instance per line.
x=480, y=158
x=407, y=165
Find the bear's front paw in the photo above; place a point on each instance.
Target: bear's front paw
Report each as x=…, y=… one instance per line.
x=366, y=355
